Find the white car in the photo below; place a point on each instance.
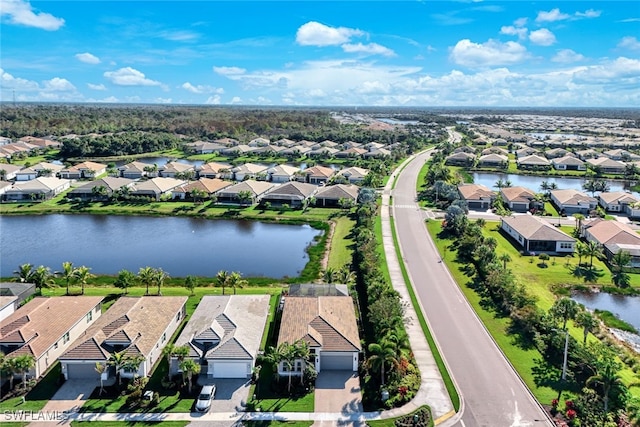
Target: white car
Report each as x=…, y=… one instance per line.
x=205, y=397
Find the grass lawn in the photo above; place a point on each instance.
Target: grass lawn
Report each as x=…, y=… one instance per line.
x=341, y=251
x=38, y=396
x=539, y=282
x=271, y=397
x=383, y=259
x=424, y=419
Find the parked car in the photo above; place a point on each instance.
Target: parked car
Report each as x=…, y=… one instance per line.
x=205, y=397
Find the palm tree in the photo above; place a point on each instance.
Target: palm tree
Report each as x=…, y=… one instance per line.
x=380, y=355
x=189, y=367
x=222, y=279
x=400, y=339
x=146, y=277
x=42, y=277
x=345, y=275
x=68, y=273
x=24, y=273
x=22, y=365
x=581, y=250
x=132, y=363
x=592, y=249
x=579, y=218
x=607, y=378
x=236, y=281
x=190, y=282
x=301, y=351
x=619, y=262
x=100, y=369
x=159, y=276
x=9, y=368
x=117, y=359
x=564, y=308
x=505, y=258
x=328, y=275
x=587, y=322
x=167, y=351
x=83, y=275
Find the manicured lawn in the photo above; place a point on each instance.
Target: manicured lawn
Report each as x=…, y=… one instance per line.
x=423, y=412
x=341, y=251
x=38, y=396
x=383, y=259
x=272, y=397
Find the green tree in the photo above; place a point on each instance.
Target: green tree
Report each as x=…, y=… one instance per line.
x=191, y=282
x=42, y=277
x=544, y=257
x=198, y=195
x=236, y=281
x=159, y=277
x=24, y=273
x=380, y=355
x=22, y=365
x=587, y=322
x=606, y=380
x=146, y=276
x=68, y=274
x=579, y=218
x=222, y=279
x=564, y=309
x=83, y=275
x=244, y=197
x=620, y=261
x=505, y=258
x=101, y=368
x=301, y=352
x=592, y=249
x=189, y=367
x=125, y=280
x=117, y=360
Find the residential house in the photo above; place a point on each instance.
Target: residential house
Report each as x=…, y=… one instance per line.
x=45, y=328
x=254, y=190
x=91, y=190
x=249, y=171
x=4, y=186
x=533, y=162
x=259, y=142
x=569, y=163
x=555, y=153
x=354, y=175
x=621, y=155
x=236, y=150
x=294, y=194
x=268, y=150
x=589, y=153
x=38, y=189
x=477, y=196
x=84, y=170
x=460, y=159
x=203, y=147
x=213, y=170
x=136, y=170
x=535, y=235
x=526, y=151
x=493, y=161
x=295, y=151
x=518, y=199
x=328, y=325
x=41, y=142
x=494, y=150
x=350, y=152
x=8, y=171
x=284, y=142
x=282, y=173
x=8, y=304
x=223, y=335
x=332, y=195
x=318, y=174
x=227, y=142
x=570, y=201
x=618, y=201
x=17, y=289
x=132, y=326
x=613, y=236
x=607, y=165
x=39, y=169
x=376, y=153
x=177, y=170
x=209, y=186
x=155, y=188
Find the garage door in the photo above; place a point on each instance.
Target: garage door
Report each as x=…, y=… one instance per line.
x=230, y=370
x=336, y=362
x=82, y=371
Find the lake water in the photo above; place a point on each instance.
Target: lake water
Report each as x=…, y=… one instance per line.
x=180, y=246
x=533, y=182
x=626, y=307
x=159, y=161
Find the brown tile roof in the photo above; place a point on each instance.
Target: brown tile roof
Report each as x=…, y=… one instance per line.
x=142, y=319
x=618, y=196
x=609, y=232
x=572, y=197
x=337, y=192
x=517, y=194
x=43, y=321
x=475, y=191
x=533, y=228
x=208, y=185
x=298, y=190
x=320, y=172
x=326, y=320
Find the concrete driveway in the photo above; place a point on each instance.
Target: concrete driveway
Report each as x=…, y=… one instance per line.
x=71, y=395
x=338, y=391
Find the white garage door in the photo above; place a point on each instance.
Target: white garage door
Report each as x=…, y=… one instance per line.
x=342, y=362
x=82, y=371
x=230, y=370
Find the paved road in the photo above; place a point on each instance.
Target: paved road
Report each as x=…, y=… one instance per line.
x=493, y=395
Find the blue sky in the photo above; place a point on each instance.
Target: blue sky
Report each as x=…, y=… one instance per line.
x=317, y=53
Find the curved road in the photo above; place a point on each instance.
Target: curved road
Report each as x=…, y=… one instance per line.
x=492, y=394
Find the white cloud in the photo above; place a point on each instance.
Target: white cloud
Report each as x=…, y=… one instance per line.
x=368, y=49
x=229, y=71
x=629, y=42
x=129, y=77
x=514, y=31
x=236, y=100
x=567, y=56
x=109, y=99
x=542, y=37
x=96, y=87
x=316, y=34
x=58, y=84
x=179, y=36
x=163, y=100
x=520, y=22
x=87, y=58
x=552, y=16
x=590, y=13
x=213, y=100
x=201, y=88
x=17, y=84
x=489, y=54
x=617, y=71
x=21, y=12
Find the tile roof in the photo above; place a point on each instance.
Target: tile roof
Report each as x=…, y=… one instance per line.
x=142, y=319
x=572, y=197
x=339, y=191
x=319, y=172
x=618, y=197
x=609, y=232
x=43, y=321
x=517, y=194
x=298, y=190
x=475, y=191
x=255, y=187
x=533, y=228
x=326, y=320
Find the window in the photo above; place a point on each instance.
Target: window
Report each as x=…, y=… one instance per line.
x=89, y=316
x=566, y=245
x=55, y=346
x=65, y=338
x=164, y=337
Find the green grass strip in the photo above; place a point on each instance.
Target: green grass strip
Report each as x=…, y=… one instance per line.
x=448, y=382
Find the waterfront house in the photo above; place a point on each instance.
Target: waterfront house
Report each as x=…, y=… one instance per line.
x=331, y=196
x=477, y=196
x=294, y=194
x=535, y=235
x=84, y=170
x=46, y=327
x=572, y=201
x=517, y=199
x=254, y=190
x=38, y=189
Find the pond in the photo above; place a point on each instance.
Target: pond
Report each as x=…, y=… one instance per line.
x=159, y=161
x=180, y=246
x=533, y=182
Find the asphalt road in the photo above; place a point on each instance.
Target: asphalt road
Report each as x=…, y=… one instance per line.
x=492, y=393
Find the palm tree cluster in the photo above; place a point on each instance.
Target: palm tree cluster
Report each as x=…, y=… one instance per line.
x=43, y=278
x=344, y=275
x=10, y=366
x=233, y=280
x=287, y=356
x=544, y=330
x=148, y=276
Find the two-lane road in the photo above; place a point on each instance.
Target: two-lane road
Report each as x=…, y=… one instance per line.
x=492, y=393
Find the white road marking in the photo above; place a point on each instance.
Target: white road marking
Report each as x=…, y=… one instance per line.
x=462, y=423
